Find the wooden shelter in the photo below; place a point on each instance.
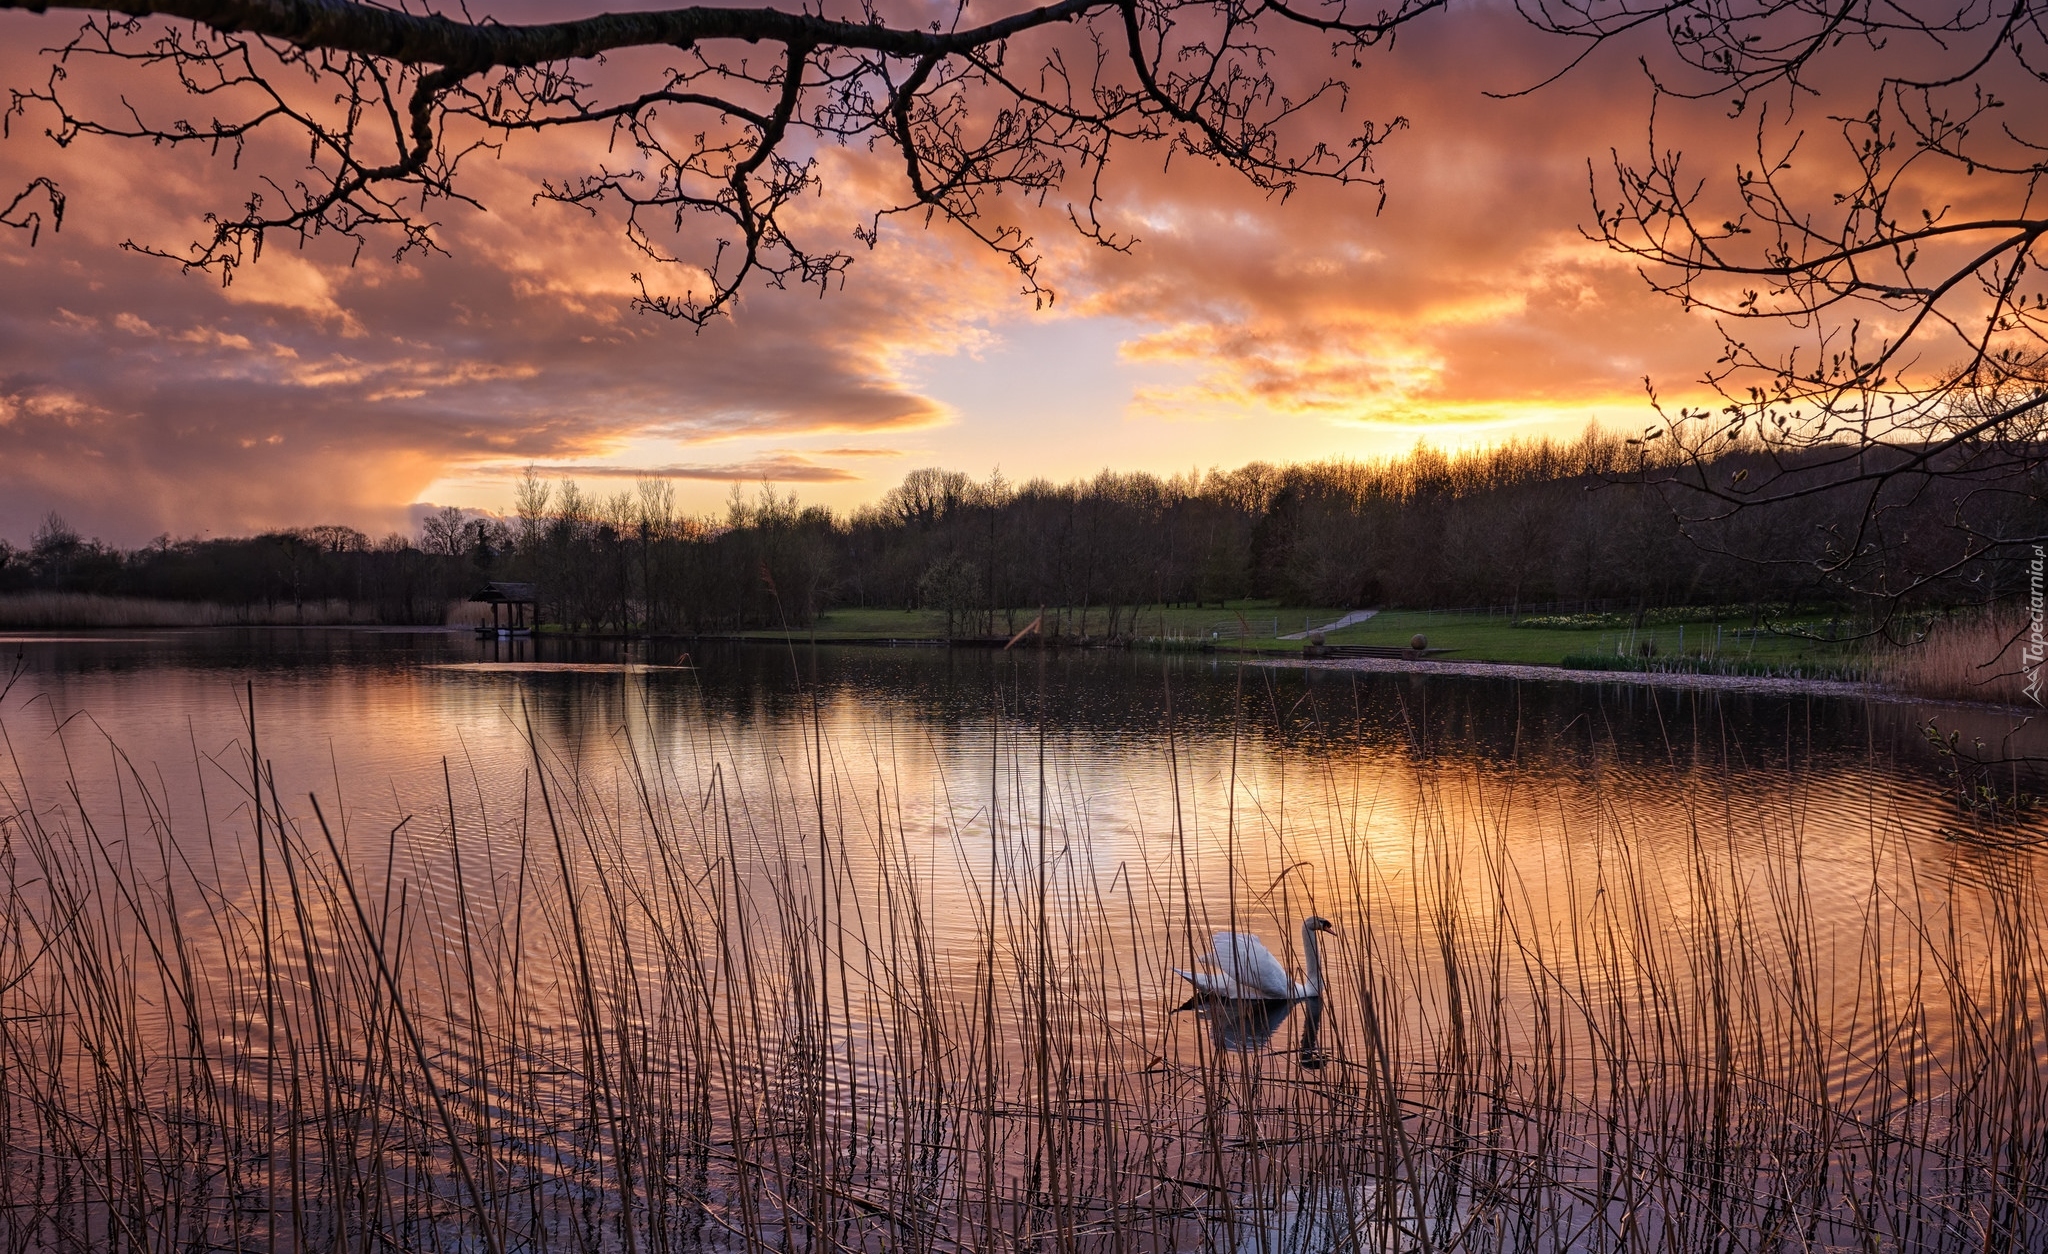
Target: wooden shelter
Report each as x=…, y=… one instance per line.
x=519, y=603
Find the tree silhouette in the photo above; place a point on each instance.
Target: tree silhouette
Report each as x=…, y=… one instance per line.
x=1877, y=284
x=391, y=105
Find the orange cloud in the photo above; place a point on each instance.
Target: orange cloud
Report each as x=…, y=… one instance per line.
x=320, y=386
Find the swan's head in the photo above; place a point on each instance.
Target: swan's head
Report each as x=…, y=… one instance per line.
x=1317, y=923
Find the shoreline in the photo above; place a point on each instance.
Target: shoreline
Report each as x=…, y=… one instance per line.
x=1533, y=672
x=1768, y=685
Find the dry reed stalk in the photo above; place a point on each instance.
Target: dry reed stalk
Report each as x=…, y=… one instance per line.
x=1967, y=657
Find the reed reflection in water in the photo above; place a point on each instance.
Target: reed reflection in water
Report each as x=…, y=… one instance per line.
x=737, y=994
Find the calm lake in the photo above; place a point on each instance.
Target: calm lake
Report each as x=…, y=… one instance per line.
x=605, y=945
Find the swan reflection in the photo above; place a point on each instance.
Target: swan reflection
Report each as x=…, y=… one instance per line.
x=1241, y=1025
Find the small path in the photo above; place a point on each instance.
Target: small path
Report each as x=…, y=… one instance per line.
x=1355, y=616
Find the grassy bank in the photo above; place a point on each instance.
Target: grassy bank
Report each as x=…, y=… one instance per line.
x=1253, y=623
x=54, y=611
x=1501, y=638
x=1257, y=626
x=1246, y=626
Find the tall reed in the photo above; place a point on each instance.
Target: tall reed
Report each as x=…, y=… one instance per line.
x=1967, y=657
x=735, y=1000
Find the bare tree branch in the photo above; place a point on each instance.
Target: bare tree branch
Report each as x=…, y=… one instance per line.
x=718, y=139
x=1878, y=345
x=21, y=213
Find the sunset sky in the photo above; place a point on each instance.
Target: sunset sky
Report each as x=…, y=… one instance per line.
x=138, y=400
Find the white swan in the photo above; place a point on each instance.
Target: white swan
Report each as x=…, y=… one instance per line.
x=1243, y=969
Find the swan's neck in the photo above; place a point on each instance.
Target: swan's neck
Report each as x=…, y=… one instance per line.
x=1314, y=957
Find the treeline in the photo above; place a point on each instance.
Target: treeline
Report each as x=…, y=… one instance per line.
x=398, y=579
x=1597, y=521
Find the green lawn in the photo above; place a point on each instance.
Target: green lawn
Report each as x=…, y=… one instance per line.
x=1261, y=618
x=871, y=624
x=1478, y=637
x=1470, y=637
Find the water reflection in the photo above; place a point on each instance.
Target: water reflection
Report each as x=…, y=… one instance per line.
x=852, y=862
x=1115, y=699
x=1310, y=1050
x=1247, y=1025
